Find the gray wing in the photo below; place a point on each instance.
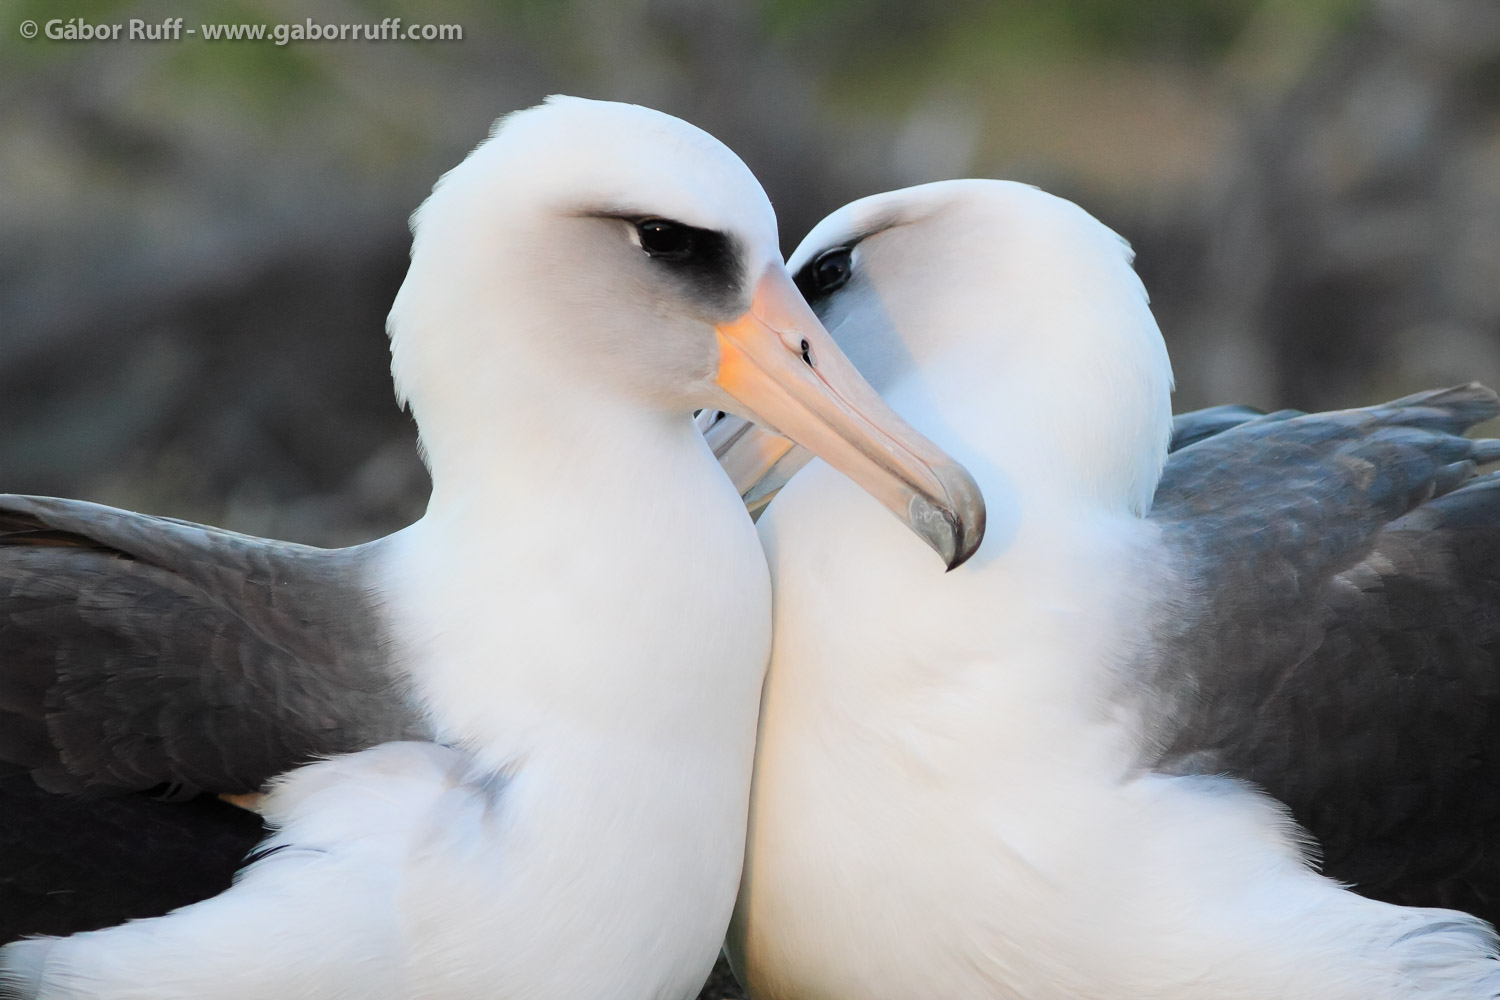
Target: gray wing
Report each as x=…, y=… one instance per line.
x=1195, y=425
x=1336, y=636
x=139, y=651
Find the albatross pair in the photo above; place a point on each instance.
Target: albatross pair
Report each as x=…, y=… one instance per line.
x=1062, y=770
x=577, y=628
x=1029, y=777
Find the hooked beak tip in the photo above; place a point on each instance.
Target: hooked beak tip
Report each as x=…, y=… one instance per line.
x=966, y=543
x=954, y=529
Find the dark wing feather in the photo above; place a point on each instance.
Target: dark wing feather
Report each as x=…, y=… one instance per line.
x=1335, y=637
x=1195, y=425
x=70, y=864
x=138, y=652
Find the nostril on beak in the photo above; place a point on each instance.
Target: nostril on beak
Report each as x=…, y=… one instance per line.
x=807, y=352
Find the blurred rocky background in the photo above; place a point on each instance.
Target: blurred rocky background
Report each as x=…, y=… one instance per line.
x=199, y=241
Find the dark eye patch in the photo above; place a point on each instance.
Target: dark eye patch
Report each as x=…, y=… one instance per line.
x=826, y=273
x=706, y=261
x=706, y=251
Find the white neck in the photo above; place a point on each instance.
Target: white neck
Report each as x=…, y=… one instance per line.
x=584, y=565
x=526, y=446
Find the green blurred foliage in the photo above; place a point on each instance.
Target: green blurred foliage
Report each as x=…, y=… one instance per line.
x=1194, y=30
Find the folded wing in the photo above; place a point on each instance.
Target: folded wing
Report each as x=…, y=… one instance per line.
x=138, y=652
x=1334, y=635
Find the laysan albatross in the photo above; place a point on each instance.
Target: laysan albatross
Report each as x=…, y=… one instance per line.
x=1064, y=770
x=576, y=630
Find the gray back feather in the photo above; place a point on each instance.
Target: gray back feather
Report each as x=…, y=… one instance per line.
x=140, y=651
x=1334, y=634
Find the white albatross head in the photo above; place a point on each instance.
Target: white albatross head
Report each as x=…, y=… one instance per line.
x=601, y=254
x=992, y=287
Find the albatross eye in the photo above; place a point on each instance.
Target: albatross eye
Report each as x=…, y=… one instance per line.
x=660, y=238
x=704, y=264
x=832, y=269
